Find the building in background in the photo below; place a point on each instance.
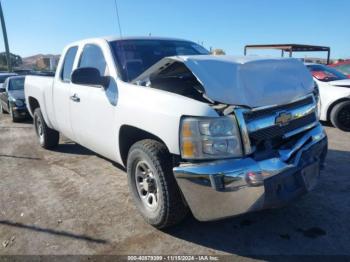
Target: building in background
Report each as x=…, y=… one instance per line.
x=40, y=62
x=47, y=63
x=316, y=60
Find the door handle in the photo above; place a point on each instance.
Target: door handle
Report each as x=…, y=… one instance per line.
x=75, y=98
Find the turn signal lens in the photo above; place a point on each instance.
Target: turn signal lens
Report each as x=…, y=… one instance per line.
x=186, y=130
x=187, y=149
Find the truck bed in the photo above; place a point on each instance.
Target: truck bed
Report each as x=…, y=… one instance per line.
x=39, y=88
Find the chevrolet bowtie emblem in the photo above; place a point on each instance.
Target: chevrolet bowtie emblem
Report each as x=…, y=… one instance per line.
x=283, y=118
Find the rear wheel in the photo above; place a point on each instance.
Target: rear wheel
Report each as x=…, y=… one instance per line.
x=153, y=186
x=48, y=138
x=340, y=116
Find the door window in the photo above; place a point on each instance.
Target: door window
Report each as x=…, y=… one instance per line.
x=66, y=72
x=93, y=57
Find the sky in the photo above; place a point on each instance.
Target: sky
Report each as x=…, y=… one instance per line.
x=46, y=26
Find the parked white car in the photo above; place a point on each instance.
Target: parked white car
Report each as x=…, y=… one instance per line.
x=334, y=89
x=214, y=134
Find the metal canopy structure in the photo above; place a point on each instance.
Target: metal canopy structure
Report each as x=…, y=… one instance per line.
x=290, y=48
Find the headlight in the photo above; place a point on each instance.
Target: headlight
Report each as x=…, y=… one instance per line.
x=19, y=103
x=209, y=138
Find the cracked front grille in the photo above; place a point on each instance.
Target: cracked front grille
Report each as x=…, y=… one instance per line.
x=262, y=124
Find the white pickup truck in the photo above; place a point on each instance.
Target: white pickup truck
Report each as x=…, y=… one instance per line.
x=217, y=135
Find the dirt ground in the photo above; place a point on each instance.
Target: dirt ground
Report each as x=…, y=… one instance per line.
x=70, y=201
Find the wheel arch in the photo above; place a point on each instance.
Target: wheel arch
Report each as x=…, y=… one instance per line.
x=129, y=135
x=333, y=104
x=33, y=104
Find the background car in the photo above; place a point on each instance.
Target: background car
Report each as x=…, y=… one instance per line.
x=4, y=76
x=12, y=98
x=343, y=66
x=334, y=93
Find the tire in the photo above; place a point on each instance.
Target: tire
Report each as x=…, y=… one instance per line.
x=14, y=119
x=340, y=116
x=167, y=207
x=48, y=138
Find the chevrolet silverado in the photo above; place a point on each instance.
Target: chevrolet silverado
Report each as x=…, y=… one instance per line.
x=215, y=135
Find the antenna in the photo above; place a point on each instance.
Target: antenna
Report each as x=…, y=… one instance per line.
x=117, y=12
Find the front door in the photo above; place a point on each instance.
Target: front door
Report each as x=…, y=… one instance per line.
x=93, y=107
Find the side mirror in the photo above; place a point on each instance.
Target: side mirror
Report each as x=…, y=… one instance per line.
x=89, y=76
x=2, y=89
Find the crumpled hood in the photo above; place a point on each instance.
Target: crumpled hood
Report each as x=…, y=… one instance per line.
x=246, y=81
x=17, y=94
x=345, y=83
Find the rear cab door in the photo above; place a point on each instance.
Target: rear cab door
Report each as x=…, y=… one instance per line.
x=62, y=92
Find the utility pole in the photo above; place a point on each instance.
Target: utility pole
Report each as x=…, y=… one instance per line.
x=3, y=26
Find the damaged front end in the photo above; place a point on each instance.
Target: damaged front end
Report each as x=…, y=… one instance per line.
x=281, y=145
x=284, y=149
x=220, y=189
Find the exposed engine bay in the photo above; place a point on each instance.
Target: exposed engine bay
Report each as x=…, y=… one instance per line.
x=178, y=79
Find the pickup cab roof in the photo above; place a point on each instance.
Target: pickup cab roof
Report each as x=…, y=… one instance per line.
x=116, y=38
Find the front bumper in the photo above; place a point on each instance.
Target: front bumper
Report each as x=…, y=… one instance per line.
x=20, y=112
x=221, y=189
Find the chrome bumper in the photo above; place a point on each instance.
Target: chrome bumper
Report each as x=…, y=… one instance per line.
x=226, y=188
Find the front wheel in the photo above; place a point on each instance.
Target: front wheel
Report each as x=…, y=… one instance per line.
x=340, y=116
x=153, y=185
x=13, y=116
x=48, y=138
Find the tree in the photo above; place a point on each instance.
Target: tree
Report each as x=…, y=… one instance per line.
x=218, y=51
x=16, y=61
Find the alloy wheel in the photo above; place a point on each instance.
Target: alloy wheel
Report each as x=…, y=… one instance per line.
x=146, y=185
x=39, y=129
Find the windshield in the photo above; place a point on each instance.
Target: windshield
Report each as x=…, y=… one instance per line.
x=345, y=69
x=3, y=78
x=325, y=73
x=135, y=56
x=16, y=84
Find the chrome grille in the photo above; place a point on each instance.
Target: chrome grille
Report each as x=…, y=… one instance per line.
x=260, y=124
x=251, y=115
x=280, y=131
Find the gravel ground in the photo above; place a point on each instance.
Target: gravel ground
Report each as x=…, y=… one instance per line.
x=71, y=201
